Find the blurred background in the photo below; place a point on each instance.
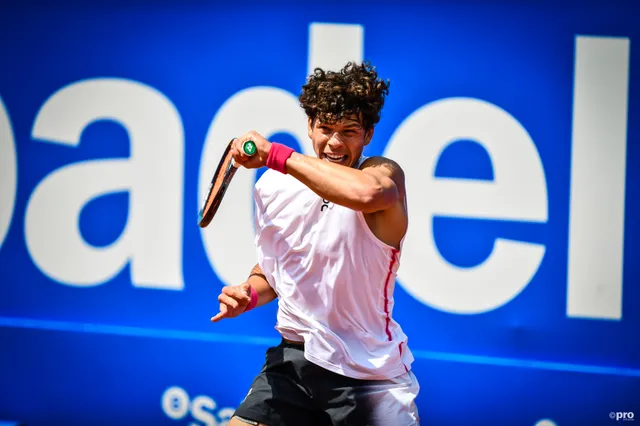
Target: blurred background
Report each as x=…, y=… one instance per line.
x=517, y=124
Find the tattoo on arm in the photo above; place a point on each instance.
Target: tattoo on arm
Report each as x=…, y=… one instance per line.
x=257, y=272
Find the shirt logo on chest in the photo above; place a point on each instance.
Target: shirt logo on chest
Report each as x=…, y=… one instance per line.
x=326, y=205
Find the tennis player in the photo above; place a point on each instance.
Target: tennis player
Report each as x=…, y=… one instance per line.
x=329, y=234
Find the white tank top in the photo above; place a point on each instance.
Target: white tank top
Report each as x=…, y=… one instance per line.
x=334, y=280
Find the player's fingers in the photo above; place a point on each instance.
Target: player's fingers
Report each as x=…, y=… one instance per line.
x=235, y=154
x=229, y=301
x=228, y=290
x=220, y=315
x=237, y=144
x=245, y=290
x=255, y=137
x=240, y=160
x=237, y=292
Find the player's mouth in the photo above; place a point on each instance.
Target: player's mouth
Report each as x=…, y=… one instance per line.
x=333, y=158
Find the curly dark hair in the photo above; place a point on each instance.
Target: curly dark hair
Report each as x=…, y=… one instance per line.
x=354, y=90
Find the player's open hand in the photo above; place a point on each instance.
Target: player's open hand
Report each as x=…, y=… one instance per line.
x=245, y=156
x=233, y=301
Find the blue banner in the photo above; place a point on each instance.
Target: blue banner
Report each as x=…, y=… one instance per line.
x=517, y=125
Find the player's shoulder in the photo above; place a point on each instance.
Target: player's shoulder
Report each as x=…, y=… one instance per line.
x=383, y=166
x=382, y=163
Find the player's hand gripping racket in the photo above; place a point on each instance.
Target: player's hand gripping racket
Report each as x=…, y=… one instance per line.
x=221, y=179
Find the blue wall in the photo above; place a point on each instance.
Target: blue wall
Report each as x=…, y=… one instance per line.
x=107, y=343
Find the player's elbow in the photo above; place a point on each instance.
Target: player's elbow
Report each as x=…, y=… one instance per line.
x=378, y=196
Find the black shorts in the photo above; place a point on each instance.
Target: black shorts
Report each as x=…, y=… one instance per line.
x=292, y=391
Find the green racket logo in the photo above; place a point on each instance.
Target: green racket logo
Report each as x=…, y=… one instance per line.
x=249, y=147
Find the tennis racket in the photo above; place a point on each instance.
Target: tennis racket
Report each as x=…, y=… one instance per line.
x=220, y=182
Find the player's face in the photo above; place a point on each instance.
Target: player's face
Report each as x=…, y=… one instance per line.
x=341, y=142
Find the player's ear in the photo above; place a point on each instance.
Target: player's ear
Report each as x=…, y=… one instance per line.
x=368, y=136
x=310, y=123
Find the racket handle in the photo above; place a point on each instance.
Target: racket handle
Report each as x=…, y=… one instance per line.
x=249, y=147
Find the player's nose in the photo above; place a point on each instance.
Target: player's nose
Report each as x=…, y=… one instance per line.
x=334, y=140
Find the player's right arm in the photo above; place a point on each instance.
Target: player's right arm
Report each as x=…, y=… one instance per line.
x=235, y=299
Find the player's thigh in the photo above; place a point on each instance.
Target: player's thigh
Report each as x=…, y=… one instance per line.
x=277, y=396
x=237, y=422
x=376, y=403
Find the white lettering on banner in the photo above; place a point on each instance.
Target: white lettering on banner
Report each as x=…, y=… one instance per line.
x=331, y=46
x=176, y=404
x=201, y=410
x=8, y=172
x=598, y=173
x=518, y=192
x=229, y=240
x=153, y=176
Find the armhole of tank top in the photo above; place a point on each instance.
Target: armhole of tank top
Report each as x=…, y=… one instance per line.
x=366, y=225
x=368, y=230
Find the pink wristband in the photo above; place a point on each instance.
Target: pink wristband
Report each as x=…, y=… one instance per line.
x=278, y=155
x=254, y=300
